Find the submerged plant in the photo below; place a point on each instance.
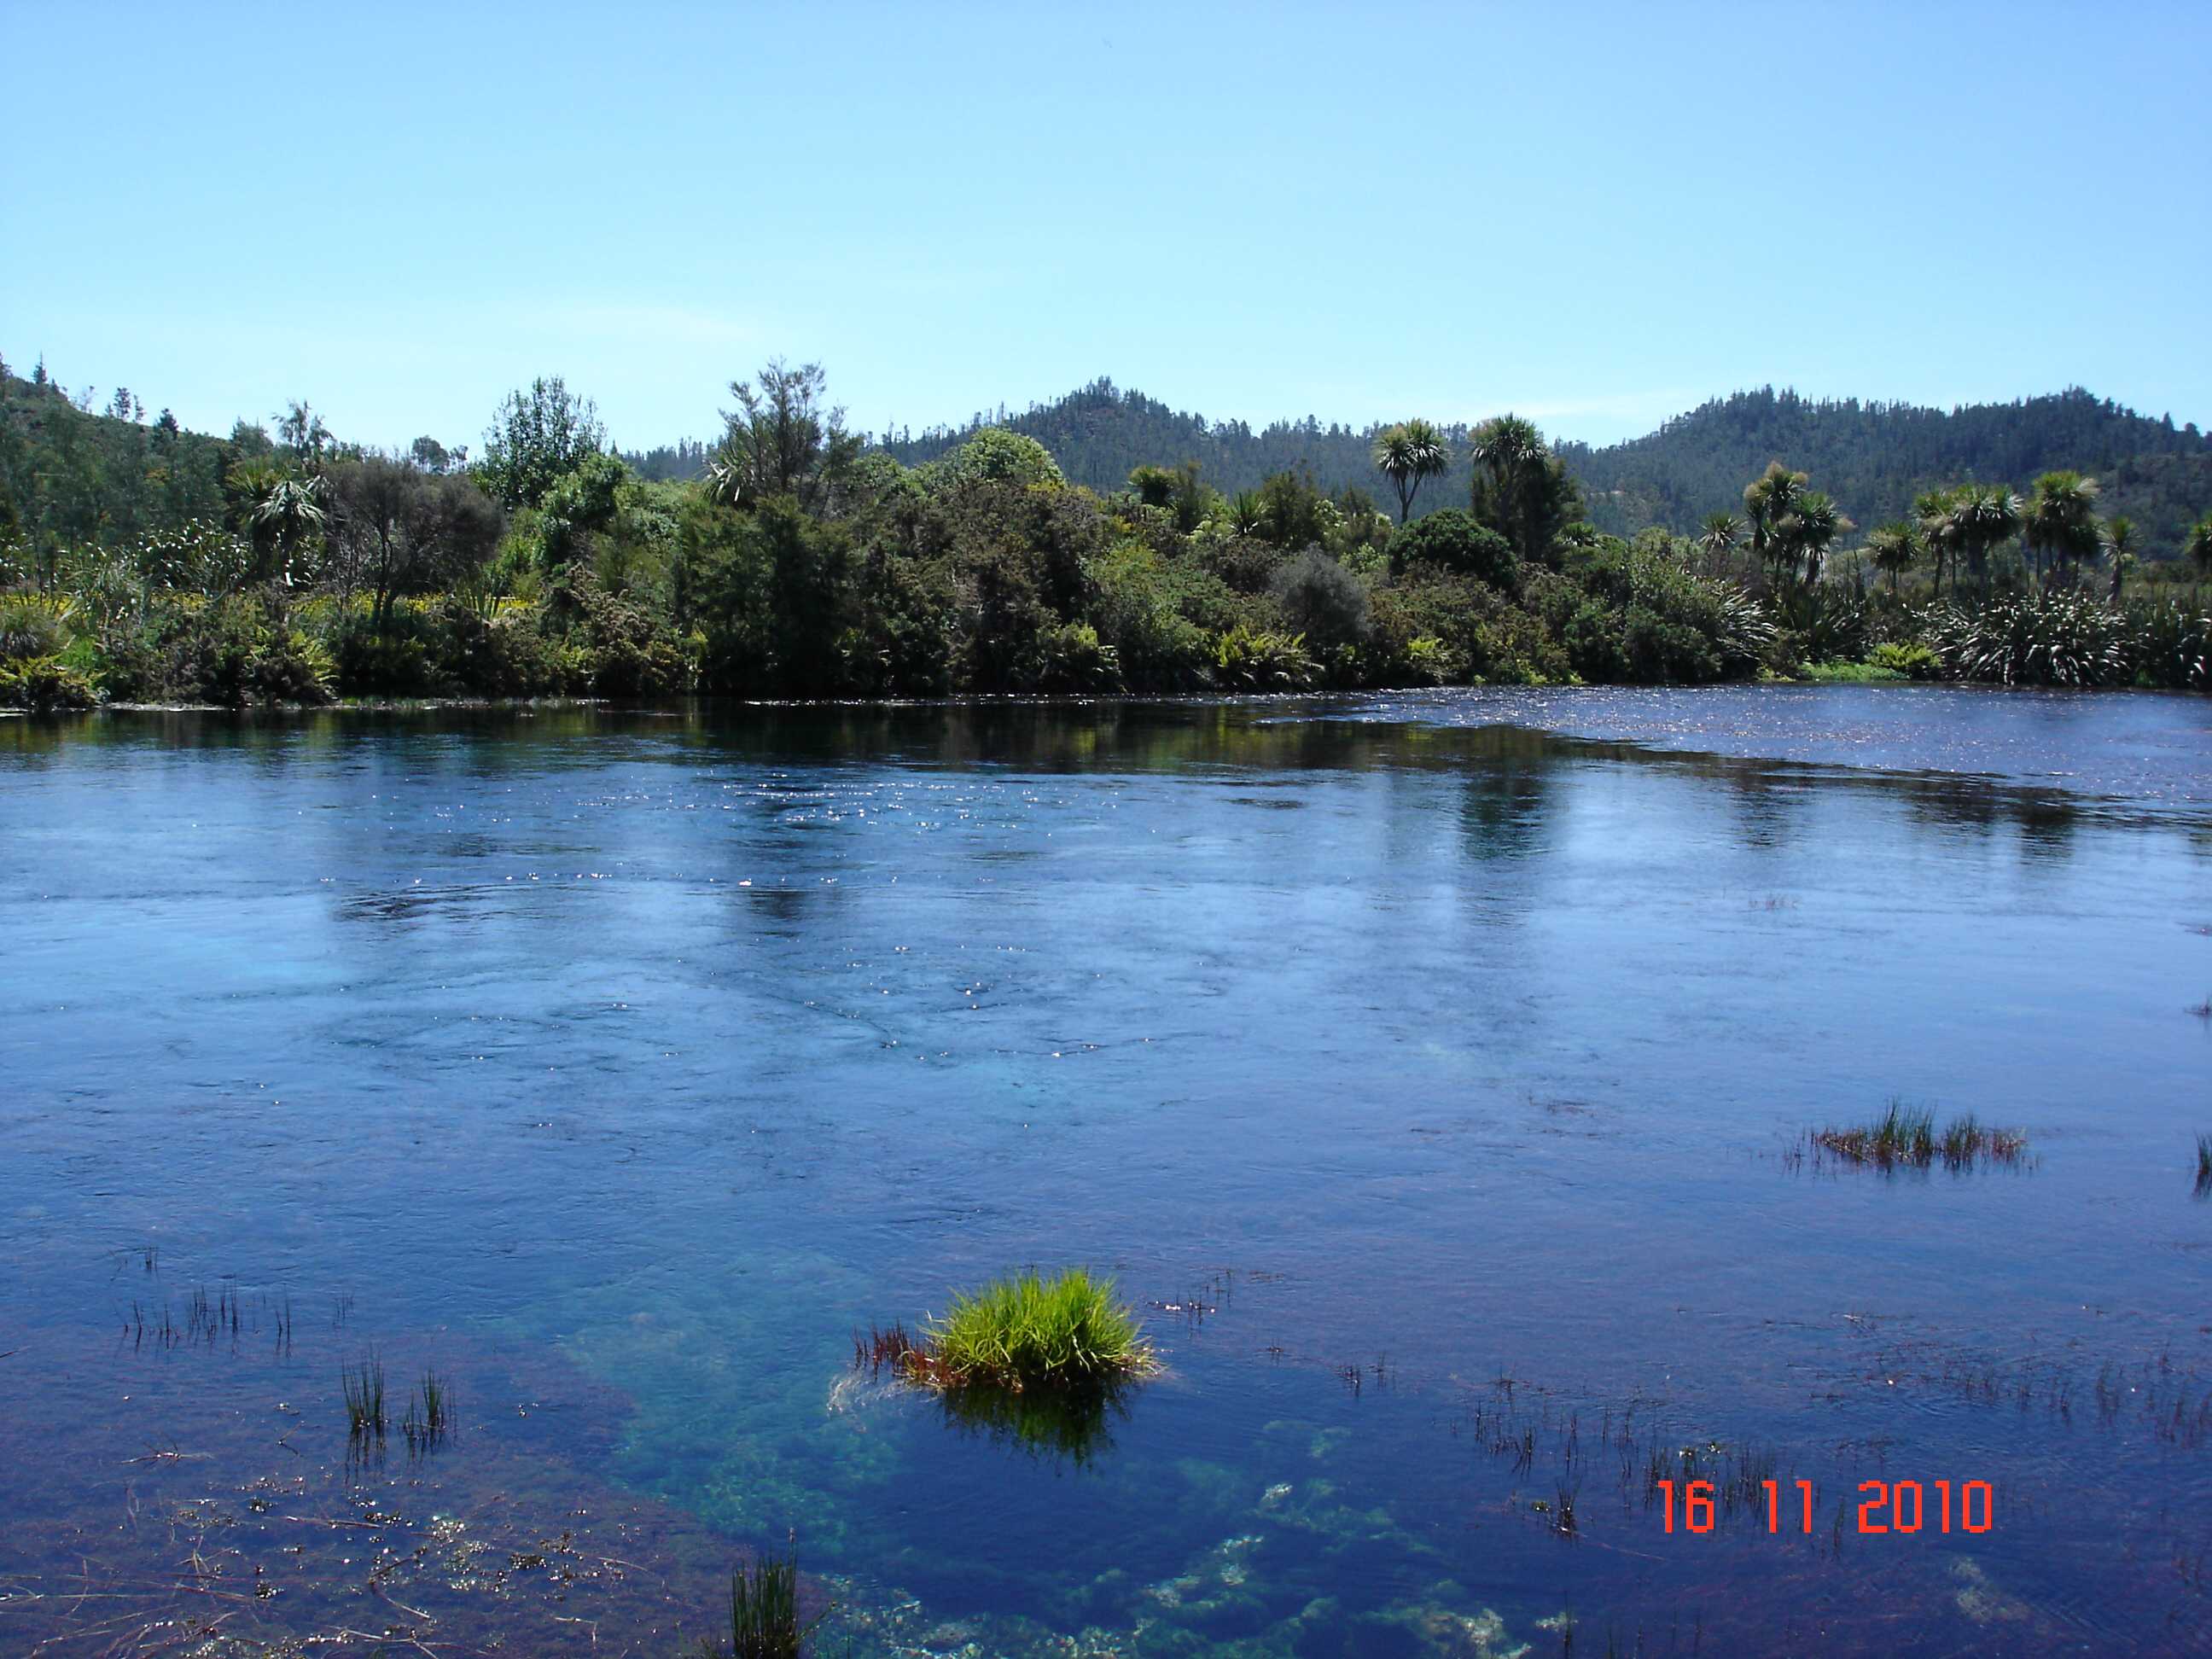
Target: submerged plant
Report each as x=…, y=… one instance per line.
x=1028, y=1331
x=2204, y=1166
x=1907, y=1135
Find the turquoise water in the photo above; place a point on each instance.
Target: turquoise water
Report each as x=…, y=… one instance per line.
x=1434, y=1073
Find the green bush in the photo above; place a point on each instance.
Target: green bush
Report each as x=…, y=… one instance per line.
x=1909, y=661
x=1454, y=544
x=2052, y=637
x=1250, y=659
x=30, y=626
x=45, y=685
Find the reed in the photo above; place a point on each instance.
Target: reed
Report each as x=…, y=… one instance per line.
x=1907, y=1135
x=363, y=1383
x=764, y=1622
x=430, y=1413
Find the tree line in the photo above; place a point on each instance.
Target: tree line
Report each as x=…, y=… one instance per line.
x=804, y=560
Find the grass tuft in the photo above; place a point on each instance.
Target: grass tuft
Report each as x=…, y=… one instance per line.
x=363, y=1382
x=429, y=1412
x=1906, y=1135
x=764, y=1621
x=1029, y=1332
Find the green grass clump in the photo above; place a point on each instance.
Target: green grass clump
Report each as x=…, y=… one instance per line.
x=1907, y=1135
x=429, y=1412
x=364, y=1396
x=764, y=1622
x=1029, y=1332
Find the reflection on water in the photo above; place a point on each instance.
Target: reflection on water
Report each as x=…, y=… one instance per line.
x=1428, y=1071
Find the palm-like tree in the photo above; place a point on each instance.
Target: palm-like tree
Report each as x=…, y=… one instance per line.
x=1768, y=502
x=2120, y=542
x=2061, y=518
x=1720, y=536
x=1408, y=454
x=1893, y=548
x=1813, y=521
x=283, y=520
x=1931, y=514
x=2199, y=546
x=1983, y=517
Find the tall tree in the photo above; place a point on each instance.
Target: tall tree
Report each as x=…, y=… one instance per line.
x=783, y=440
x=1520, y=489
x=1408, y=454
x=1768, y=502
x=1813, y=521
x=537, y=437
x=399, y=529
x=2060, y=519
x=1983, y=517
x=2120, y=542
x=1891, y=547
x=1720, y=535
x=311, y=442
x=2199, y=546
x=1931, y=513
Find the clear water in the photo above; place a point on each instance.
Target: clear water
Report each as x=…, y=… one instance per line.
x=1433, y=1073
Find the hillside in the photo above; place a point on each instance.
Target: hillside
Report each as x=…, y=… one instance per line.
x=1875, y=457
x=70, y=474
x=1872, y=457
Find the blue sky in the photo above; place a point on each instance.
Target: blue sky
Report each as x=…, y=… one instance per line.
x=1598, y=215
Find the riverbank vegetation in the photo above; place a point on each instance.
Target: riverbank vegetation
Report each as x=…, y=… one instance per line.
x=142, y=564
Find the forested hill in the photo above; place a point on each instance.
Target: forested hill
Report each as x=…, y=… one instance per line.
x=1875, y=457
x=1872, y=456
x=1099, y=433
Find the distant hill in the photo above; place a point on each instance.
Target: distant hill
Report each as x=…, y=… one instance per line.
x=1873, y=458
x=80, y=473
x=81, y=476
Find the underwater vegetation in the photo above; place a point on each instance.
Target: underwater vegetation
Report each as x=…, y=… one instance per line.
x=1907, y=1136
x=2204, y=1166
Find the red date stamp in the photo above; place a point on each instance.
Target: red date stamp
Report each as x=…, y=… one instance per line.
x=1904, y=1506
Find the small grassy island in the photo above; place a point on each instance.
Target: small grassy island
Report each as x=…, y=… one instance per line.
x=1023, y=1333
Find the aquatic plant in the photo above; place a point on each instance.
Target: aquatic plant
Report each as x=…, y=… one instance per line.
x=363, y=1383
x=1028, y=1331
x=2204, y=1166
x=429, y=1412
x=1907, y=1135
x=764, y=1621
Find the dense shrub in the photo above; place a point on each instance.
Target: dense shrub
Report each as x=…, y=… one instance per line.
x=45, y=685
x=1322, y=601
x=1453, y=543
x=1248, y=659
x=2059, y=638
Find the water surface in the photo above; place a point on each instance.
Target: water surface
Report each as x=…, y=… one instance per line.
x=1433, y=1072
